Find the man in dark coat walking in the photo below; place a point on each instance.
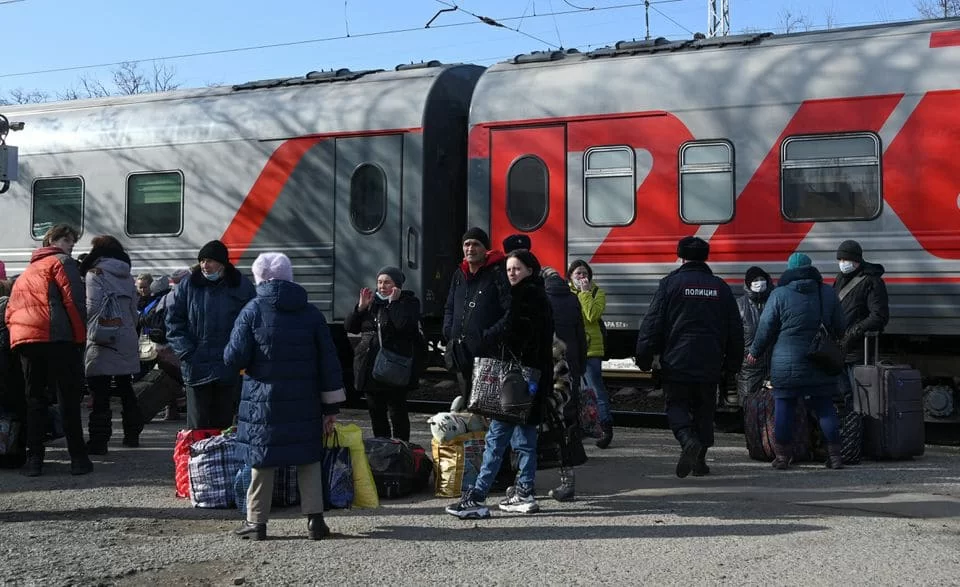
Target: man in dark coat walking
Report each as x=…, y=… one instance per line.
x=694, y=325
x=863, y=298
x=478, y=304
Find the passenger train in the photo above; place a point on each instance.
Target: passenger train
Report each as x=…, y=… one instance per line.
x=763, y=145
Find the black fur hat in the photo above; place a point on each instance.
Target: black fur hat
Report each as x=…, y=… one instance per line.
x=691, y=248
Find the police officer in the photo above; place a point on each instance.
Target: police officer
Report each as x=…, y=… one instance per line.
x=694, y=325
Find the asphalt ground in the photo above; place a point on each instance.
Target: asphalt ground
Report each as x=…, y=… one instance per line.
x=634, y=522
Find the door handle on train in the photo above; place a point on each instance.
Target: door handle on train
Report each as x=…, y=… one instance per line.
x=412, y=245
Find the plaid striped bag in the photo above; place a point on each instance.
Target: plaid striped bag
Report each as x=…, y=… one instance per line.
x=286, y=490
x=213, y=467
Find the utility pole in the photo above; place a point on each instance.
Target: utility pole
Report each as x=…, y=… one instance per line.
x=718, y=18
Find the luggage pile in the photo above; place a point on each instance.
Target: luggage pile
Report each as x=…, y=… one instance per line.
x=457, y=448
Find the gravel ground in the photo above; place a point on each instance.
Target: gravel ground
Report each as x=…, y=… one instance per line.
x=633, y=523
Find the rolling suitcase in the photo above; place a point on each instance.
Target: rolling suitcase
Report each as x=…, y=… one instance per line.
x=154, y=392
x=890, y=398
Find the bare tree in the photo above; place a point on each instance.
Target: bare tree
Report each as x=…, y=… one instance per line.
x=163, y=77
x=830, y=17
x=938, y=8
x=791, y=22
x=21, y=96
x=131, y=80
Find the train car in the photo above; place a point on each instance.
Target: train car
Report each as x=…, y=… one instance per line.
x=344, y=171
x=763, y=145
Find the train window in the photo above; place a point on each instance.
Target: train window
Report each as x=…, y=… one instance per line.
x=154, y=203
x=609, y=186
x=528, y=189
x=706, y=182
x=56, y=200
x=368, y=198
x=831, y=177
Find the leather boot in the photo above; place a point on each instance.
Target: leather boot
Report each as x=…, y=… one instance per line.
x=607, y=437
x=784, y=455
x=317, y=529
x=567, y=489
x=834, y=457
x=249, y=530
x=701, y=469
x=690, y=448
x=34, y=464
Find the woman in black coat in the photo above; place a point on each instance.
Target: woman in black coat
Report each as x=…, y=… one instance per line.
x=757, y=285
x=393, y=316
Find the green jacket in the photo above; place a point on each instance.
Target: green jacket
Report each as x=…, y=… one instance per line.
x=592, y=304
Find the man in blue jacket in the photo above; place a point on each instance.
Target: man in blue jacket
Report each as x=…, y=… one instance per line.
x=199, y=323
x=694, y=325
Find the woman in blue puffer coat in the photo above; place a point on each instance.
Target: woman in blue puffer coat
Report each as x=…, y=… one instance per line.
x=790, y=320
x=292, y=389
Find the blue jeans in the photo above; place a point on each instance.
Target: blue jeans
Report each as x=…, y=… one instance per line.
x=822, y=406
x=594, y=377
x=523, y=439
x=845, y=382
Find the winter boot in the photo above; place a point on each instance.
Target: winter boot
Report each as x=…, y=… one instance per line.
x=701, y=469
x=783, y=456
x=96, y=446
x=34, y=465
x=834, y=457
x=249, y=530
x=81, y=466
x=690, y=448
x=317, y=529
x=567, y=489
x=607, y=437
x=100, y=428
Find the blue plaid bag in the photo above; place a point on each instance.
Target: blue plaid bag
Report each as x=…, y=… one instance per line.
x=213, y=467
x=286, y=489
x=337, y=476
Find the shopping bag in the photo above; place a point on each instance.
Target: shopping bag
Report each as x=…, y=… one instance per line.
x=213, y=466
x=496, y=389
x=456, y=463
x=181, y=457
x=364, y=489
x=286, y=491
x=589, y=412
x=338, y=490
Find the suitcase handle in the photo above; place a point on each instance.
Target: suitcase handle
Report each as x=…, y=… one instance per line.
x=867, y=337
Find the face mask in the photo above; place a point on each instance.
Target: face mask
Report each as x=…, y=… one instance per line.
x=759, y=286
x=212, y=276
x=847, y=266
x=380, y=296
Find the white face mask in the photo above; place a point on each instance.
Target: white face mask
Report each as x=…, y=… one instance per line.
x=847, y=266
x=759, y=286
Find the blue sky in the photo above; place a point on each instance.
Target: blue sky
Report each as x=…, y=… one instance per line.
x=41, y=35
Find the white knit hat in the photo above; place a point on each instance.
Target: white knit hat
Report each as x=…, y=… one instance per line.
x=272, y=266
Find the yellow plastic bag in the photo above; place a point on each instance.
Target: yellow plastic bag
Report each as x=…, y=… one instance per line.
x=456, y=463
x=364, y=489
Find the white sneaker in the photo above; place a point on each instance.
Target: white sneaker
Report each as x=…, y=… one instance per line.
x=520, y=503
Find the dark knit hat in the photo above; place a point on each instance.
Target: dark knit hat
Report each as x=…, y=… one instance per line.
x=393, y=273
x=528, y=259
x=516, y=241
x=851, y=251
x=215, y=251
x=476, y=233
x=691, y=248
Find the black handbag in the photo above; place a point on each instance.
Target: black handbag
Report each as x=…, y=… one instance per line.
x=391, y=368
x=824, y=351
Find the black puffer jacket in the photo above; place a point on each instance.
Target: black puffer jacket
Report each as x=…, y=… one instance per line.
x=751, y=377
x=529, y=336
x=694, y=325
x=865, y=307
x=489, y=289
x=568, y=324
x=400, y=329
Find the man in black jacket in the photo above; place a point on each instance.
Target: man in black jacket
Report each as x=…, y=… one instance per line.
x=863, y=297
x=694, y=325
x=478, y=303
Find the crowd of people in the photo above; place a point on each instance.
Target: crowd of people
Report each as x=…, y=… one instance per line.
x=72, y=321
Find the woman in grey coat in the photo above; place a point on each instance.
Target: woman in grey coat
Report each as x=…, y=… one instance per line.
x=114, y=358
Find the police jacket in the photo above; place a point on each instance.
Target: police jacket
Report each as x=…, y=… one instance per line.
x=482, y=326
x=865, y=307
x=694, y=325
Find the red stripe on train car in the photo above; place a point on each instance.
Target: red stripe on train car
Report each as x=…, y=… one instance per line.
x=944, y=39
x=256, y=206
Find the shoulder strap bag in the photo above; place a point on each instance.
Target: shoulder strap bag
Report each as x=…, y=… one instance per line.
x=390, y=368
x=824, y=351
x=850, y=286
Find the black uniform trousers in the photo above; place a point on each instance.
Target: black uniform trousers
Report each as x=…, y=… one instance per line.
x=212, y=405
x=690, y=410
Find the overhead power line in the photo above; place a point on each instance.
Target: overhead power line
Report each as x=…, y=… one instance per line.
x=314, y=41
x=495, y=23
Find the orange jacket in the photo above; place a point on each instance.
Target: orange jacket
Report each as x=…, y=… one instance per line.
x=48, y=301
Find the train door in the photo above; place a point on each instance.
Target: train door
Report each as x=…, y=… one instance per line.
x=528, y=189
x=368, y=214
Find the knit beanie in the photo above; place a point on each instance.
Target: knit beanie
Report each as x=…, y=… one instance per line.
x=215, y=251
x=393, y=273
x=516, y=241
x=476, y=233
x=851, y=251
x=272, y=266
x=691, y=248
x=797, y=260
